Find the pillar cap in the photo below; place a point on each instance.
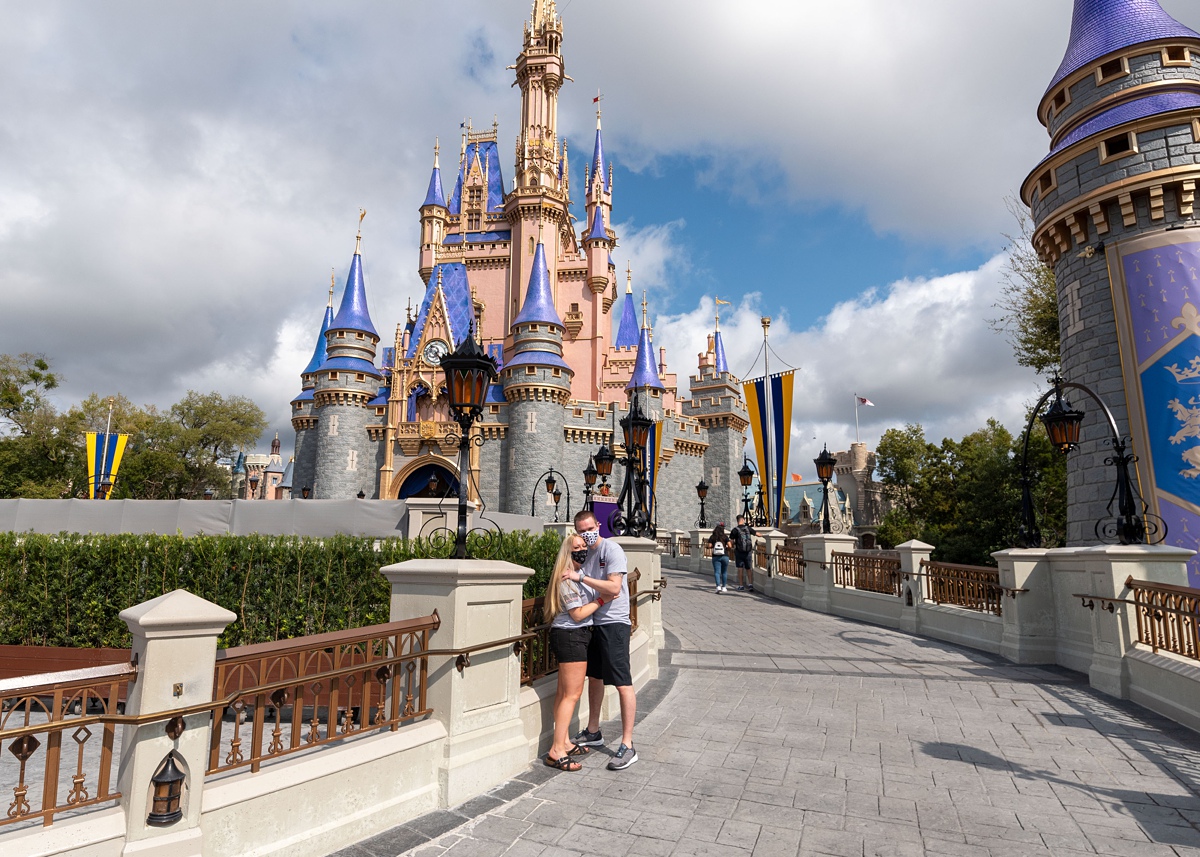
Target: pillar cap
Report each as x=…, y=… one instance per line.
x=915, y=545
x=456, y=572
x=177, y=614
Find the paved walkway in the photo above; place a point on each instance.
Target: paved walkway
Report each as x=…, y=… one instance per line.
x=785, y=732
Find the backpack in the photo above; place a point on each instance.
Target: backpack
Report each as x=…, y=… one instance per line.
x=745, y=542
x=718, y=548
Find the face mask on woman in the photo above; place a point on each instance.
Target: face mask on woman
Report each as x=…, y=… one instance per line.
x=579, y=556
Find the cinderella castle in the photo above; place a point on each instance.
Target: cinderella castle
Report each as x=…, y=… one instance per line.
x=510, y=266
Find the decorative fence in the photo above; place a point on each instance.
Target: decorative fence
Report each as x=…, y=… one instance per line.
x=324, y=687
x=1168, y=617
x=973, y=587
x=869, y=572
x=684, y=546
x=787, y=562
x=536, y=658
x=75, y=703
x=760, y=555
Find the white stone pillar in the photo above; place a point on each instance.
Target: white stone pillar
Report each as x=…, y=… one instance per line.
x=478, y=601
x=426, y=514
x=1030, y=631
x=643, y=555
x=1108, y=567
x=175, y=646
x=912, y=553
x=818, y=582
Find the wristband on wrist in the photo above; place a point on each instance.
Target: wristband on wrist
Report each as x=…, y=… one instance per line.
x=600, y=601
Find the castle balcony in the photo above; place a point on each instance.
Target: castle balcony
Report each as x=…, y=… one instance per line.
x=573, y=322
x=439, y=435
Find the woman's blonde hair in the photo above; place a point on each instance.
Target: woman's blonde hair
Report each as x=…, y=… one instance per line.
x=562, y=563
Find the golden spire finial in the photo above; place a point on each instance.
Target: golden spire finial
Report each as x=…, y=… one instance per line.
x=436, y=147
x=362, y=212
x=628, y=279
x=408, y=310
x=645, y=316
x=332, y=284
x=599, y=97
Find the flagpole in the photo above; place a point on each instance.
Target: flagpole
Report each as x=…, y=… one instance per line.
x=104, y=447
x=768, y=435
x=856, y=437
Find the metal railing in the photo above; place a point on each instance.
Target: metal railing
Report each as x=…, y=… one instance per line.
x=664, y=542
x=973, y=587
x=760, y=555
x=685, y=546
x=36, y=712
x=869, y=572
x=787, y=562
x=324, y=687
x=536, y=658
x=1168, y=617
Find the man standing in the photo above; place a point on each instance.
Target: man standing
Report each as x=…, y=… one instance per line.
x=743, y=553
x=606, y=571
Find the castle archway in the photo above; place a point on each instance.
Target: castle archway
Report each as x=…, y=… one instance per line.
x=417, y=479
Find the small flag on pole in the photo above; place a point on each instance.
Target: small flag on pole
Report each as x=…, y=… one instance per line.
x=723, y=303
x=862, y=400
x=795, y=477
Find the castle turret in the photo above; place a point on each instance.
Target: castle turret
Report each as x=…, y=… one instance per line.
x=304, y=418
x=537, y=385
x=346, y=382
x=1116, y=196
x=434, y=216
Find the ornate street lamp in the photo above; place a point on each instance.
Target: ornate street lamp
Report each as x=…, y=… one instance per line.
x=305, y=492
x=589, y=483
x=361, y=494
x=825, y=464
x=105, y=487
x=632, y=516
x=168, y=791
x=702, y=493
x=551, y=478
x=208, y=493
x=469, y=371
x=1131, y=523
x=604, y=466
x=757, y=516
x=253, y=481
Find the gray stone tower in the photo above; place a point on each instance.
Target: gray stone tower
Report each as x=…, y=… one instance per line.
x=717, y=405
x=304, y=417
x=537, y=386
x=345, y=385
x=1113, y=206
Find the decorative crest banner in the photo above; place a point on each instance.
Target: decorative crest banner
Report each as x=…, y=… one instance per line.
x=104, y=453
x=769, y=404
x=1156, y=294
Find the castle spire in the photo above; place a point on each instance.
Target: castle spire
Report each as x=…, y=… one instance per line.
x=721, y=364
x=353, y=313
x=627, y=330
x=318, y=356
x=645, y=371
x=539, y=297
x=598, y=171
x=435, y=195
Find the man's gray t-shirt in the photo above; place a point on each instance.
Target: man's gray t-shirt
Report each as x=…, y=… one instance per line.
x=604, y=559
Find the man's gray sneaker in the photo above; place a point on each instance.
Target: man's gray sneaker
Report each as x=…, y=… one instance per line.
x=588, y=739
x=625, y=757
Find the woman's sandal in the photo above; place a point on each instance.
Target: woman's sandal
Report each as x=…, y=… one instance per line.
x=563, y=763
x=576, y=750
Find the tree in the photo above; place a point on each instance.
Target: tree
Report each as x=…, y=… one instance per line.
x=24, y=381
x=1028, y=300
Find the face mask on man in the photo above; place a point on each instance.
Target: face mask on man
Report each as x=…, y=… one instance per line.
x=590, y=537
x=580, y=556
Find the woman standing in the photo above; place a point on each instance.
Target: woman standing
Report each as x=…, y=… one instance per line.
x=572, y=605
x=721, y=547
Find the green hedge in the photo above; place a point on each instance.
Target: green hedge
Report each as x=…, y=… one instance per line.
x=66, y=590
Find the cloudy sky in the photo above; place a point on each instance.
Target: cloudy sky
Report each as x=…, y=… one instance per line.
x=178, y=180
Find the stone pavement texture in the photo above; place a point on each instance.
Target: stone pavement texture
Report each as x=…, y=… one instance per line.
x=786, y=732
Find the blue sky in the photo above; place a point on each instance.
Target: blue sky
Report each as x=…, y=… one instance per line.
x=177, y=181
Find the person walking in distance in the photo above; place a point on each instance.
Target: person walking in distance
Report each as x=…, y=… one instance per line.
x=742, y=537
x=605, y=571
x=721, y=546
x=570, y=606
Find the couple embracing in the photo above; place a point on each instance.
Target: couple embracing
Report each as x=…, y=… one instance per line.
x=588, y=600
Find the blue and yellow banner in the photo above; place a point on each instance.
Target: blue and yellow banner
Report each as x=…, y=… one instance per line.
x=1156, y=291
x=104, y=453
x=769, y=404
x=653, y=462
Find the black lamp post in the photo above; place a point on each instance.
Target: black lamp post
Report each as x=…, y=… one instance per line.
x=551, y=477
x=589, y=483
x=105, y=487
x=632, y=517
x=469, y=371
x=702, y=493
x=208, y=493
x=825, y=464
x=305, y=492
x=604, y=466
x=361, y=494
x=1131, y=524
x=253, y=481
x=757, y=516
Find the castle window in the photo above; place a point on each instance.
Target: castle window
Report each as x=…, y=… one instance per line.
x=475, y=195
x=574, y=307
x=1061, y=99
x=1046, y=182
x=493, y=409
x=1176, y=55
x=530, y=370
x=1118, y=146
x=473, y=222
x=333, y=376
x=557, y=373
x=530, y=245
x=359, y=376
x=379, y=412
x=1111, y=70
x=534, y=328
x=341, y=334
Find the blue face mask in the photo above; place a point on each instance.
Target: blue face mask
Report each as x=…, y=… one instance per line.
x=590, y=537
x=579, y=557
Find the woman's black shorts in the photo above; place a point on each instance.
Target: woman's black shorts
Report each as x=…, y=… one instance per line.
x=570, y=645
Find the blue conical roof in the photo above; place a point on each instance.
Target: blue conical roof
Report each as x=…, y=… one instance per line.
x=435, y=195
x=645, y=371
x=539, y=297
x=1101, y=27
x=598, y=158
x=627, y=331
x=319, y=352
x=288, y=474
x=719, y=347
x=597, y=231
x=239, y=466
x=353, y=314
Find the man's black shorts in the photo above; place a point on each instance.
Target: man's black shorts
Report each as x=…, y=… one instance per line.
x=741, y=560
x=570, y=645
x=608, y=654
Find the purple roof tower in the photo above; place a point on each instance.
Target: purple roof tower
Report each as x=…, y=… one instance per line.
x=435, y=195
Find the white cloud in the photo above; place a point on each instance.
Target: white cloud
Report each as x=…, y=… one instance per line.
x=921, y=350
